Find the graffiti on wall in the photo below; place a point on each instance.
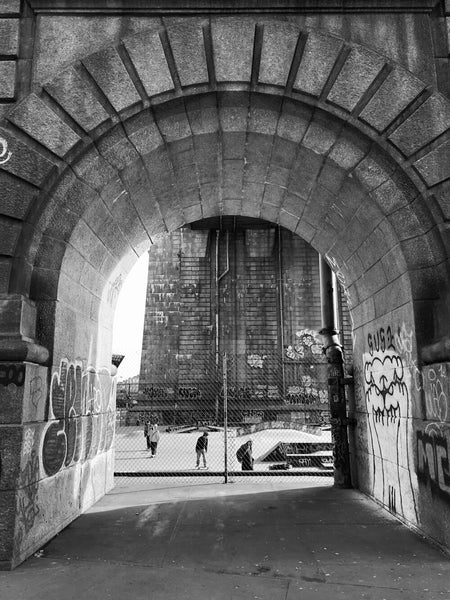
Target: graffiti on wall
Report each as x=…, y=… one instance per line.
x=80, y=414
x=432, y=443
x=5, y=154
x=307, y=342
x=387, y=386
x=27, y=507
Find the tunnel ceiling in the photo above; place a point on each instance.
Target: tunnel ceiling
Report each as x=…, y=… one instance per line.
x=326, y=139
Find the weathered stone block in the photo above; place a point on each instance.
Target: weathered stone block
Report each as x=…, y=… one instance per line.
x=278, y=176
x=10, y=451
x=173, y=123
x=16, y=196
x=411, y=221
x=17, y=317
x=117, y=149
x=94, y=170
x=294, y=121
x=23, y=161
x=186, y=41
x=305, y=170
x=9, y=6
x=7, y=79
x=363, y=312
x=147, y=54
x=9, y=36
x=422, y=251
x=435, y=166
x=23, y=392
x=264, y=115
x=321, y=134
x=319, y=56
x=5, y=270
x=349, y=150
x=110, y=73
x=9, y=234
x=71, y=90
x=293, y=204
x=143, y=132
x=279, y=43
x=7, y=526
x=390, y=197
x=374, y=170
x=355, y=77
x=41, y=123
x=233, y=48
x=430, y=120
x=397, y=91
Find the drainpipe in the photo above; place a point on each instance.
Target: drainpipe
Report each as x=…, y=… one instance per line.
x=217, y=283
x=280, y=292
x=336, y=392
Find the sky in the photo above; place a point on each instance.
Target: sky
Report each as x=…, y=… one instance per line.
x=129, y=319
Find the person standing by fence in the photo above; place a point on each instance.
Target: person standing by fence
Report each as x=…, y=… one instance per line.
x=154, y=439
x=201, y=449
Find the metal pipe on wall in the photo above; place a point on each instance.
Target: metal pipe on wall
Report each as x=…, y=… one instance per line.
x=336, y=391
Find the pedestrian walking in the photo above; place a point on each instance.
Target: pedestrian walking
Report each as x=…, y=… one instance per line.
x=201, y=448
x=147, y=431
x=154, y=439
x=245, y=456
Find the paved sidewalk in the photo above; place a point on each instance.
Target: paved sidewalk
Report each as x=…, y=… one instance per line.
x=242, y=541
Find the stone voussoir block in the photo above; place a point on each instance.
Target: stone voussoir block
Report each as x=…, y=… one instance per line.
x=76, y=96
x=434, y=167
x=426, y=123
x=279, y=44
x=187, y=43
x=23, y=161
x=111, y=75
x=318, y=59
x=147, y=55
x=7, y=79
x=37, y=119
x=396, y=92
x=357, y=74
x=233, y=39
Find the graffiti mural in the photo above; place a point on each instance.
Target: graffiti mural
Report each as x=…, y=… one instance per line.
x=81, y=416
x=432, y=443
x=307, y=341
x=387, y=387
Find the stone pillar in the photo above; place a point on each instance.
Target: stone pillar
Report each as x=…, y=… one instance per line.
x=23, y=392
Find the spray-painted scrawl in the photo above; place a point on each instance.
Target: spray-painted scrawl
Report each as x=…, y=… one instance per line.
x=5, y=154
x=387, y=381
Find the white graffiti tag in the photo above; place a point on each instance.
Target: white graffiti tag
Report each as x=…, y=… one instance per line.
x=5, y=154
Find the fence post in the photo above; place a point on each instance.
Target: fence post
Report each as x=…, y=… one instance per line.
x=225, y=413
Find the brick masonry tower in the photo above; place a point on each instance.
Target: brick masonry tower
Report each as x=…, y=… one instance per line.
x=240, y=286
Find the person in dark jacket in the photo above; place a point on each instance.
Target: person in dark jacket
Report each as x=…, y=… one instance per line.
x=201, y=448
x=245, y=456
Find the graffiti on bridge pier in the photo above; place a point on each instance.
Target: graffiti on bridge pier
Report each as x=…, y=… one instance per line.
x=81, y=416
x=433, y=463
x=387, y=392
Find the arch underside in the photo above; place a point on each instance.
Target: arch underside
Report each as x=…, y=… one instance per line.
x=299, y=128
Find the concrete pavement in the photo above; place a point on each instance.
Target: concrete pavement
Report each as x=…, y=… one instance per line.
x=269, y=540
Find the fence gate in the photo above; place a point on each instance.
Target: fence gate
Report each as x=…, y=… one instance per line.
x=281, y=405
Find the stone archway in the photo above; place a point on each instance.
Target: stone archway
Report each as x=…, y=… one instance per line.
x=258, y=118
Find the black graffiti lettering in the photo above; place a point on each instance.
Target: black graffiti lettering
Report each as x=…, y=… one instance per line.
x=80, y=403
x=433, y=463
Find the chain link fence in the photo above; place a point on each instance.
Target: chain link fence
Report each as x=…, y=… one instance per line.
x=280, y=404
